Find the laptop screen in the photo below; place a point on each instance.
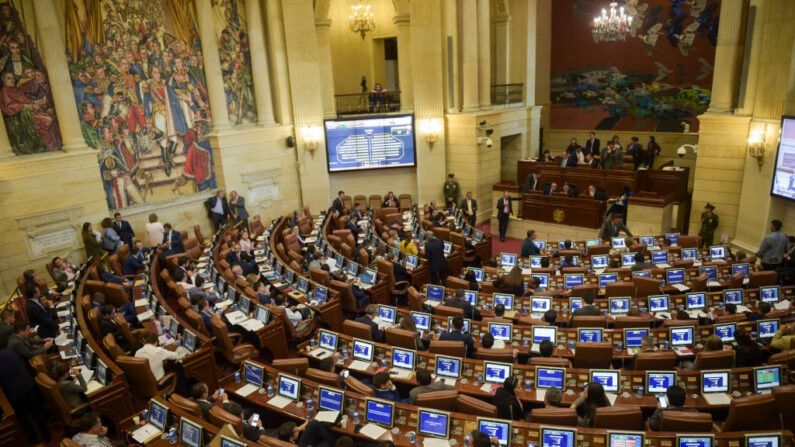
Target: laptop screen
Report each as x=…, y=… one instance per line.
x=508, y=259
x=607, y=278
x=421, y=320
x=547, y=377
x=478, y=273
x=435, y=293
x=403, y=358
x=471, y=296
x=599, y=262
x=658, y=303
x=543, y=279
x=673, y=238
x=681, y=336
x=500, y=429
x=157, y=415
x=368, y=276
x=303, y=285
x=387, y=313
x=648, y=240
x=262, y=315
x=625, y=439
x=506, y=299
x=725, y=332
x=659, y=257
x=379, y=412
x=742, y=267
x=733, y=296
x=252, y=374
x=575, y=303
x=411, y=262
x=619, y=305
x=769, y=294
x=540, y=303
x=328, y=340
x=657, y=382
x=766, y=377
x=618, y=242
x=535, y=262
x=448, y=366
x=717, y=252
x=627, y=259
x=467, y=322
x=592, y=242
x=542, y=245
x=289, y=387
x=767, y=328
x=448, y=247
x=497, y=372
x=329, y=399
x=609, y=378
x=642, y=274
x=694, y=441
x=714, y=382
x=189, y=339
x=633, y=338
x=558, y=437
x=500, y=331
x=674, y=276
x=541, y=333
x=573, y=280
x=321, y=293
x=433, y=423
x=362, y=350
x=696, y=300
x=588, y=335
x=689, y=253
x=710, y=270
x=763, y=440
x=190, y=433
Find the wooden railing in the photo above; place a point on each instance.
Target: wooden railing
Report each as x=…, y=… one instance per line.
x=506, y=94
x=387, y=101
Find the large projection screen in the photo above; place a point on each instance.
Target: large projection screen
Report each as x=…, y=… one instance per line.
x=372, y=142
x=784, y=175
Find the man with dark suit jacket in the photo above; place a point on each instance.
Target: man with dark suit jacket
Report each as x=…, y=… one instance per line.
x=587, y=310
x=134, y=261
x=532, y=182
x=237, y=207
x=469, y=207
x=592, y=145
x=200, y=394
x=370, y=313
x=123, y=229
x=353, y=224
x=172, y=239
x=338, y=204
x=458, y=334
x=218, y=209
x=22, y=340
x=591, y=162
x=40, y=313
x=504, y=210
x=640, y=263
x=612, y=226
x=437, y=263
x=20, y=390
x=459, y=302
x=204, y=311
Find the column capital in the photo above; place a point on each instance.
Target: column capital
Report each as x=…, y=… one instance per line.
x=402, y=19
x=502, y=19
x=323, y=23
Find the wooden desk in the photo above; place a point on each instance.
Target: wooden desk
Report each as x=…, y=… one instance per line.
x=560, y=209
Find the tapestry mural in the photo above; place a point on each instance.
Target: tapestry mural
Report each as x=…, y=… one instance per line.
x=235, y=60
x=141, y=95
x=25, y=97
x=659, y=79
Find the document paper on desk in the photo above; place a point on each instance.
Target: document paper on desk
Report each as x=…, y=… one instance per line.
x=612, y=398
x=246, y=389
x=781, y=305
x=435, y=442
x=62, y=339
x=251, y=325
x=680, y=287
x=145, y=433
x=717, y=398
x=279, y=401
x=236, y=317
x=372, y=431
x=141, y=302
x=359, y=365
x=327, y=416
x=713, y=284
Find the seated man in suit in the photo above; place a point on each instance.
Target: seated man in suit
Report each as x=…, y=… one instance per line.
x=197, y=292
x=172, y=240
x=640, y=263
x=370, y=313
x=106, y=276
x=384, y=388
x=24, y=342
x=41, y=312
x=458, y=334
x=239, y=257
x=676, y=402
x=426, y=385
x=207, y=315
x=200, y=394
x=459, y=302
x=588, y=309
x=128, y=309
x=135, y=260
x=353, y=224
x=106, y=323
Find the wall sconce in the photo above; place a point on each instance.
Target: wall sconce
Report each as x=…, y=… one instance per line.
x=311, y=136
x=431, y=128
x=756, y=144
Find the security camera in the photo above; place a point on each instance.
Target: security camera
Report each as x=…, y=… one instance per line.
x=489, y=132
x=485, y=140
x=681, y=152
x=683, y=149
x=483, y=123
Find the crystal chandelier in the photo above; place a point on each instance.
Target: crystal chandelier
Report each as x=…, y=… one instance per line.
x=361, y=20
x=613, y=27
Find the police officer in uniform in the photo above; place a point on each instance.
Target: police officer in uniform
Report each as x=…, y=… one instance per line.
x=450, y=191
x=709, y=222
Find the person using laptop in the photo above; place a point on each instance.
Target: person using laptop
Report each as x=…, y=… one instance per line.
x=458, y=334
x=499, y=310
x=200, y=394
x=552, y=397
x=426, y=385
x=384, y=388
x=783, y=338
x=459, y=302
x=594, y=397
x=370, y=312
x=293, y=315
x=92, y=432
x=640, y=263
x=422, y=340
x=588, y=309
x=328, y=364
x=508, y=405
x=71, y=384
x=156, y=355
x=747, y=352
x=676, y=402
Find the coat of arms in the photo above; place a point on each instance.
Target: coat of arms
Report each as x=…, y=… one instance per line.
x=558, y=215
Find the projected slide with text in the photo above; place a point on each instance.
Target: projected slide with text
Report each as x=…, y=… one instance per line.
x=368, y=143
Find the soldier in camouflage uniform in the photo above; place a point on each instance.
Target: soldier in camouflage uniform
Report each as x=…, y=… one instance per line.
x=450, y=192
x=709, y=222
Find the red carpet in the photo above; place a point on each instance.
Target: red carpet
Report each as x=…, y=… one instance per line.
x=497, y=247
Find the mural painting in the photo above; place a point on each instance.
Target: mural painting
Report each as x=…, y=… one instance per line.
x=139, y=84
x=659, y=79
x=25, y=96
x=233, y=50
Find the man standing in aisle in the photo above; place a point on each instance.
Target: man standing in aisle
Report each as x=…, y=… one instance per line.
x=709, y=222
x=238, y=209
x=123, y=229
x=469, y=207
x=450, y=191
x=592, y=145
x=504, y=210
x=774, y=245
x=217, y=209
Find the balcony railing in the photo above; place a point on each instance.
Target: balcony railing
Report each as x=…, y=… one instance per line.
x=387, y=101
x=506, y=94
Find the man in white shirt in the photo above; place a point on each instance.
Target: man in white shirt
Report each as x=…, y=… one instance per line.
x=92, y=432
x=156, y=355
x=293, y=315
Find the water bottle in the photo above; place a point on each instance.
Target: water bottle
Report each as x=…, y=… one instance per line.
x=640, y=391
x=720, y=305
x=172, y=435
x=753, y=335
x=312, y=343
x=467, y=440
x=480, y=377
x=530, y=444
x=525, y=342
x=235, y=306
x=524, y=310
x=384, y=364
x=345, y=353
x=571, y=345
x=481, y=337
x=270, y=390
x=665, y=345
x=528, y=384
x=619, y=346
x=355, y=417
x=309, y=403
x=488, y=306
x=237, y=376
x=412, y=437
x=145, y=415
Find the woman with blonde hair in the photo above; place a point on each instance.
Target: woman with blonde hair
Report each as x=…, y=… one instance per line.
x=110, y=239
x=154, y=230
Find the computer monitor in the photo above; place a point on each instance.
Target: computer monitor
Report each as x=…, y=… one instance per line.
x=541, y=333
x=478, y=273
x=379, y=412
x=575, y=303
x=627, y=259
x=190, y=433
x=633, y=338
x=303, y=285
x=763, y=440
x=321, y=293
x=767, y=328
x=506, y=299
x=695, y=440
x=477, y=236
x=575, y=261
x=435, y=293
x=411, y=262
x=562, y=244
x=589, y=334
x=289, y=387
x=229, y=442
x=625, y=439
x=288, y=277
x=550, y=377
x=573, y=279
x=498, y=428
x=618, y=242
x=543, y=279
x=403, y=358
x=102, y=372
x=542, y=245
x=387, y=313
x=368, y=276
x=158, y=415
x=715, y=381
x=363, y=350
x=421, y=320
x=89, y=358
x=540, y=304
x=659, y=257
x=330, y=399
x=328, y=339
x=766, y=377
x=173, y=328
x=648, y=240
x=657, y=382
x=472, y=297
x=658, y=303
x=696, y=300
x=189, y=340
x=733, y=296
x=673, y=238
x=448, y=367
x=607, y=278
x=769, y=294
x=609, y=378
x=725, y=331
x=433, y=423
x=245, y=305
x=507, y=260
x=263, y=313
x=641, y=274
x=558, y=437
x=741, y=267
x=535, y=262
x=717, y=252
x=592, y=242
x=674, y=276
x=619, y=305
x=497, y=372
x=710, y=270
x=681, y=335
x=599, y=262
x=501, y=331
x=690, y=253
x=467, y=323
x=353, y=268
x=252, y=373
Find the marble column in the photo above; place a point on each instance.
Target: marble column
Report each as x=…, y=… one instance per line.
x=52, y=47
x=484, y=55
x=323, y=31
x=5, y=144
x=451, y=75
x=259, y=63
x=728, y=56
x=278, y=62
x=405, y=81
x=469, y=59
x=212, y=65
x=502, y=48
